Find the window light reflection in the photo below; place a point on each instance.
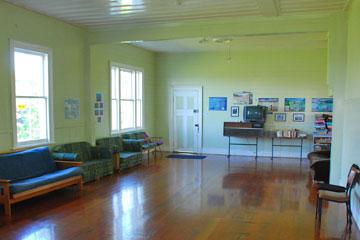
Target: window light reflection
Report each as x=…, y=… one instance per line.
x=119, y=7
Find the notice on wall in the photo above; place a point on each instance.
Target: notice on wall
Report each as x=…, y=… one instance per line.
x=72, y=109
x=243, y=98
x=98, y=107
x=272, y=104
x=217, y=104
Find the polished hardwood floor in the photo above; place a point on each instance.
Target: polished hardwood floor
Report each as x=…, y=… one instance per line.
x=179, y=199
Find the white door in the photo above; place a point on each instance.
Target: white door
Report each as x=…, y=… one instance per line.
x=187, y=115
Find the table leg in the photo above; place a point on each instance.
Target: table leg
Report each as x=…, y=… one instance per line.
x=257, y=141
x=229, y=149
x=301, y=147
x=272, y=149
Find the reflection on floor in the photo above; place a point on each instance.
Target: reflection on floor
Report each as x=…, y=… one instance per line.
x=185, y=199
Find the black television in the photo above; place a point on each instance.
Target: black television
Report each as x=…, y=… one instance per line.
x=255, y=114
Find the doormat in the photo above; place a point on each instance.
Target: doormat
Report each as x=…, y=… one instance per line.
x=186, y=156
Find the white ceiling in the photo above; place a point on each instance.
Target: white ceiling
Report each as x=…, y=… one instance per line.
x=237, y=43
x=99, y=14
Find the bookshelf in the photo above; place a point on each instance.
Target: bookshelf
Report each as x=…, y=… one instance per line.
x=323, y=132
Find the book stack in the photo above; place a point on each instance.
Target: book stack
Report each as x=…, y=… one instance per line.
x=323, y=124
x=288, y=133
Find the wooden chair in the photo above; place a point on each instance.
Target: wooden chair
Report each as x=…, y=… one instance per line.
x=338, y=194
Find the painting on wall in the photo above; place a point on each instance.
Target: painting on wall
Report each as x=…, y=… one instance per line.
x=272, y=104
x=234, y=111
x=243, y=98
x=217, y=103
x=298, y=117
x=294, y=105
x=322, y=104
x=280, y=117
x=72, y=109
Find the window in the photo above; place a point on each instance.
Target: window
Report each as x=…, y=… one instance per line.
x=126, y=98
x=31, y=84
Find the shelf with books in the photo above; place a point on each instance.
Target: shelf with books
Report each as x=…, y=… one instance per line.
x=323, y=132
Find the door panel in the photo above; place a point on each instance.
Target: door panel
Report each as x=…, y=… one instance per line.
x=186, y=115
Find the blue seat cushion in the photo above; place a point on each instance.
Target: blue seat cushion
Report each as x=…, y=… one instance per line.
x=149, y=145
x=125, y=155
x=27, y=184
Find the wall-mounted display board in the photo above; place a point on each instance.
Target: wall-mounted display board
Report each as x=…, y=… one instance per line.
x=322, y=105
x=294, y=105
x=272, y=104
x=217, y=104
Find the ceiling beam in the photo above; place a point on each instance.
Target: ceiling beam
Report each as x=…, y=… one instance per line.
x=269, y=8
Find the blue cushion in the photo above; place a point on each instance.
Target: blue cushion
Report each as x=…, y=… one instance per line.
x=26, y=164
x=128, y=154
x=148, y=145
x=27, y=184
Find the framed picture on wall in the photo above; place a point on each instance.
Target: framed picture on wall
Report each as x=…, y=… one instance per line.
x=298, y=117
x=234, y=111
x=280, y=117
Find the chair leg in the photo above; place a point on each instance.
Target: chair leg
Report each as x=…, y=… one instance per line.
x=161, y=154
x=320, y=211
x=7, y=208
x=348, y=214
x=148, y=157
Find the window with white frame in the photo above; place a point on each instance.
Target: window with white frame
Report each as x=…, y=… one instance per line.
x=126, y=98
x=31, y=98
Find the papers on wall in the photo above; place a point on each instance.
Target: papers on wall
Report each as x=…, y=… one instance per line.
x=72, y=109
x=272, y=104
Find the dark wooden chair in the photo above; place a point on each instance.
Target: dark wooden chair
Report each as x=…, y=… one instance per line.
x=338, y=194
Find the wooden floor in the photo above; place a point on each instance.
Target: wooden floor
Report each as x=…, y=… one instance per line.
x=185, y=199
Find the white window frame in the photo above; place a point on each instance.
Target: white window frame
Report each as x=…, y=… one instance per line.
x=129, y=68
x=36, y=49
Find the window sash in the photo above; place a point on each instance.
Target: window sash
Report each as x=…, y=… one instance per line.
x=45, y=79
x=135, y=98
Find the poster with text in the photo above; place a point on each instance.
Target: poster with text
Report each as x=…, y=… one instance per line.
x=72, y=109
x=217, y=103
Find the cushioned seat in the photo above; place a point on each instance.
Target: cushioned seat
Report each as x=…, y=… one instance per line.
x=333, y=196
x=27, y=184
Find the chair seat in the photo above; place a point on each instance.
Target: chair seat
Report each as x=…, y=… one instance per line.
x=149, y=145
x=333, y=196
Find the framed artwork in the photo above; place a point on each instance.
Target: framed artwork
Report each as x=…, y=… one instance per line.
x=294, y=105
x=217, y=104
x=272, y=104
x=234, y=111
x=280, y=117
x=322, y=104
x=243, y=98
x=298, y=117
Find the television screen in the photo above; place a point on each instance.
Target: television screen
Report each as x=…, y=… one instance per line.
x=254, y=114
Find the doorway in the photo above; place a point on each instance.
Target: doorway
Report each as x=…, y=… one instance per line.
x=186, y=134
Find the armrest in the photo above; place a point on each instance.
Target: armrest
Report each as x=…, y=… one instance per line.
x=4, y=181
x=330, y=187
x=5, y=185
x=133, y=145
x=66, y=156
x=67, y=164
x=320, y=163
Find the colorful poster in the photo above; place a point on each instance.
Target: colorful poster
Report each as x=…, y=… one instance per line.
x=243, y=98
x=72, y=109
x=294, y=105
x=217, y=103
x=322, y=104
x=272, y=104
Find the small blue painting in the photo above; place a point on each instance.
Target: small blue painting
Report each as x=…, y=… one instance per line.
x=217, y=104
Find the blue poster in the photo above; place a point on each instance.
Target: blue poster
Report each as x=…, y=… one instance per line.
x=322, y=105
x=294, y=105
x=217, y=104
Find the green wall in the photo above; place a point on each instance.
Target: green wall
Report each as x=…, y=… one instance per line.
x=100, y=58
x=351, y=133
x=68, y=45
x=267, y=73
